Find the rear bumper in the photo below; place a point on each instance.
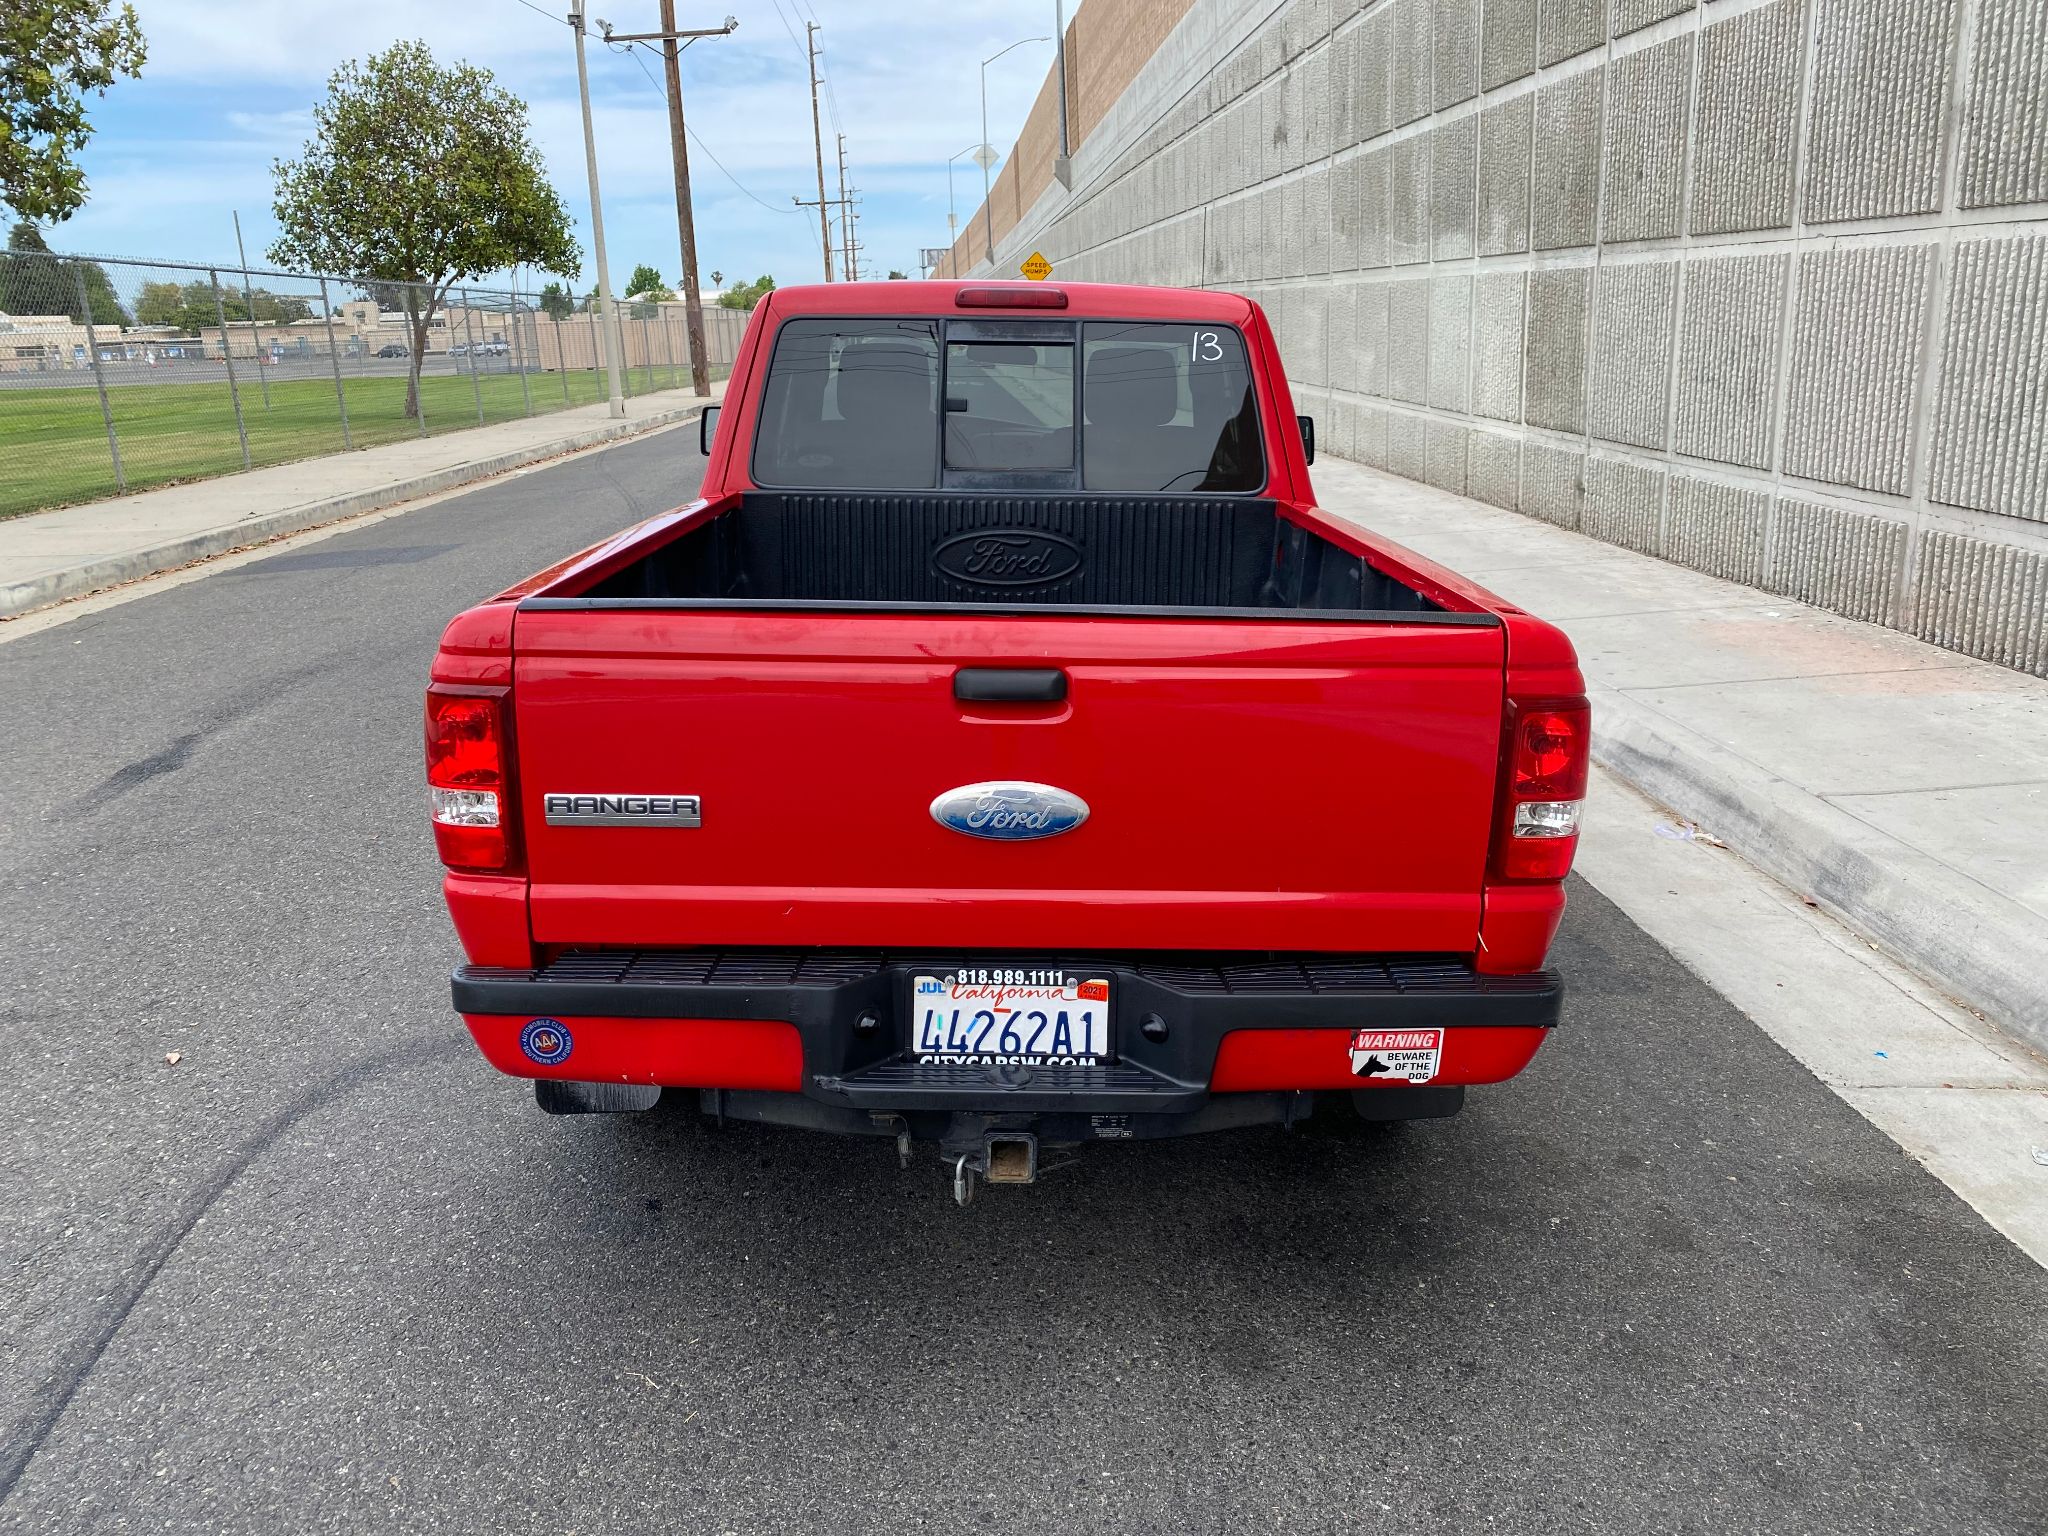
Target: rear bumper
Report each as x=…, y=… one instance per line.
x=834, y=1027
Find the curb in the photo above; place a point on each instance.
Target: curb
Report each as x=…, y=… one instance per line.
x=1977, y=945
x=22, y=597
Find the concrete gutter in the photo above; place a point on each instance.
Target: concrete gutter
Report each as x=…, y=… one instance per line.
x=55, y=586
x=1976, y=944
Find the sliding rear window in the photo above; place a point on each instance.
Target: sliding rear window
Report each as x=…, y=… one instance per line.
x=851, y=405
x=1009, y=405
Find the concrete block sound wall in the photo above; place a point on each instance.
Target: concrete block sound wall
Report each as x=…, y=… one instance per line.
x=1757, y=286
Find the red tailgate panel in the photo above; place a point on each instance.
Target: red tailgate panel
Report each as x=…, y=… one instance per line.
x=1252, y=785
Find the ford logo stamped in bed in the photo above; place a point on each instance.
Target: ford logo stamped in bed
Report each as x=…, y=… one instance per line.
x=1007, y=557
x=1009, y=810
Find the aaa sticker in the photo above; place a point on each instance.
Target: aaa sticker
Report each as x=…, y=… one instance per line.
x=1406, y=1055
x=546, y=1042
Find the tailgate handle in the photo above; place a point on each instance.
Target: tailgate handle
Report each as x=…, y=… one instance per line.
x=1009, y=685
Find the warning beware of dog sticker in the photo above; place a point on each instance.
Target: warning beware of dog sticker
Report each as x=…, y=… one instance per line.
x=1410, y=1055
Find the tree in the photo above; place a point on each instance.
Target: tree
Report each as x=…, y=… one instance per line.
x=159, y=304
x=898, y=277
x=646, y=283
x=644, y=290
x=745, y=295
x=419, y=174
x=556, y=302
x=52, y=52
x=281, y=308
x=35, y=282
x=189, y=306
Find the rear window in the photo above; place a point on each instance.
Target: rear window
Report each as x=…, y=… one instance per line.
x=851, y=405
x=1009, y=405
x=859, y=405
x=1168, y=408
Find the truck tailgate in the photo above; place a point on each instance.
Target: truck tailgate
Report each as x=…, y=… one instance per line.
x=1253, y=785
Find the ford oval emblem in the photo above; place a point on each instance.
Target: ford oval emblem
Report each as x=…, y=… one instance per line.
x=1007, y=557
x=1009, y=810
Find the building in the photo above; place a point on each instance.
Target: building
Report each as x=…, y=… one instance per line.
x=359, y=327
x=40, y=343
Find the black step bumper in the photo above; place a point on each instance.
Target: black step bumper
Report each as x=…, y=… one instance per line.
x=1171, y=1013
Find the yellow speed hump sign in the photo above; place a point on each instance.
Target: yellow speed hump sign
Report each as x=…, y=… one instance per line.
x=1036, y=267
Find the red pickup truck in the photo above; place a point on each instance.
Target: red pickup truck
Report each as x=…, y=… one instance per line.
x=1003, y=752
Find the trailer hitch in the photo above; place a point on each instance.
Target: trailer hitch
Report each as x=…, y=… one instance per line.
x=1001, y=1157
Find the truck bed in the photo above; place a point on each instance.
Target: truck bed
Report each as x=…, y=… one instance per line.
x=1214, y=556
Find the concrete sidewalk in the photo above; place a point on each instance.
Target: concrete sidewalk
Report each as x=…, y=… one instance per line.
x=1901, y=787
x=46, y=557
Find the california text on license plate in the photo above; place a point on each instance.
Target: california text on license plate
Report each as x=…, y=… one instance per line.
x=997, y=1015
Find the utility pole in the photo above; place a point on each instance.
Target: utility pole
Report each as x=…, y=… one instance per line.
x=686, y=222
x=842, y=205
x=679, y=156
x=679, y=153
x=609, y=316
x=818, y=140
x=849, y=264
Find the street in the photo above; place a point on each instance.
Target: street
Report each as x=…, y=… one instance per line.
x=329, y=1272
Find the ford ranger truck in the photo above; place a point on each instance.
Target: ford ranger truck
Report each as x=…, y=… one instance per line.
x=1004, y=753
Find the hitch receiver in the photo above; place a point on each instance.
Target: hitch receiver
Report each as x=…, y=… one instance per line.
x=1011, y=1158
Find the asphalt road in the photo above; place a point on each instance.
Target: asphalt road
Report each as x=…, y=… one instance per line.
x=330, y=1273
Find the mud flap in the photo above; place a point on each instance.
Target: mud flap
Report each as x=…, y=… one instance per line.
x=1408, y=1103
x=565, y=1098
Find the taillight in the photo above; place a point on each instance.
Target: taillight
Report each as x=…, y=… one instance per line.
x=468, y=778
x=1549, y=753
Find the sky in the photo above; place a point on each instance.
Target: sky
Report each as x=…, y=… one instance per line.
x=229, y=87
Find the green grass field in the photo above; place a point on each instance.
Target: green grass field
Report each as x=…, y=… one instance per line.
x=53, y=442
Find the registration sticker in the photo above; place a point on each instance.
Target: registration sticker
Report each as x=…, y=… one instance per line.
x=1409, y=1055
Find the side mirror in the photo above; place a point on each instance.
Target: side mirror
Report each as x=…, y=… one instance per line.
x=1308, y=436
x=707, y=428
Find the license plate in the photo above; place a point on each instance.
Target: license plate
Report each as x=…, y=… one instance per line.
x=996, y=1016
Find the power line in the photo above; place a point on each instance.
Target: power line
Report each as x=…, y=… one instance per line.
x=538, y=11
x=694, y=139
x=824, y=75
x=831, y=99
x=794, y=40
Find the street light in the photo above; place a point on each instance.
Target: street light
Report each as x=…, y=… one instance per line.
x=953, y=219
x=988, y=217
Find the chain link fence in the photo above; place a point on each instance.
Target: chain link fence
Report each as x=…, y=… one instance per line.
x=120, y=375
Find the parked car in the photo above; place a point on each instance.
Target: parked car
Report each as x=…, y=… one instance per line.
x=1004, y=752
x=493, y=348
x=394, y=349
x=460, y=349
